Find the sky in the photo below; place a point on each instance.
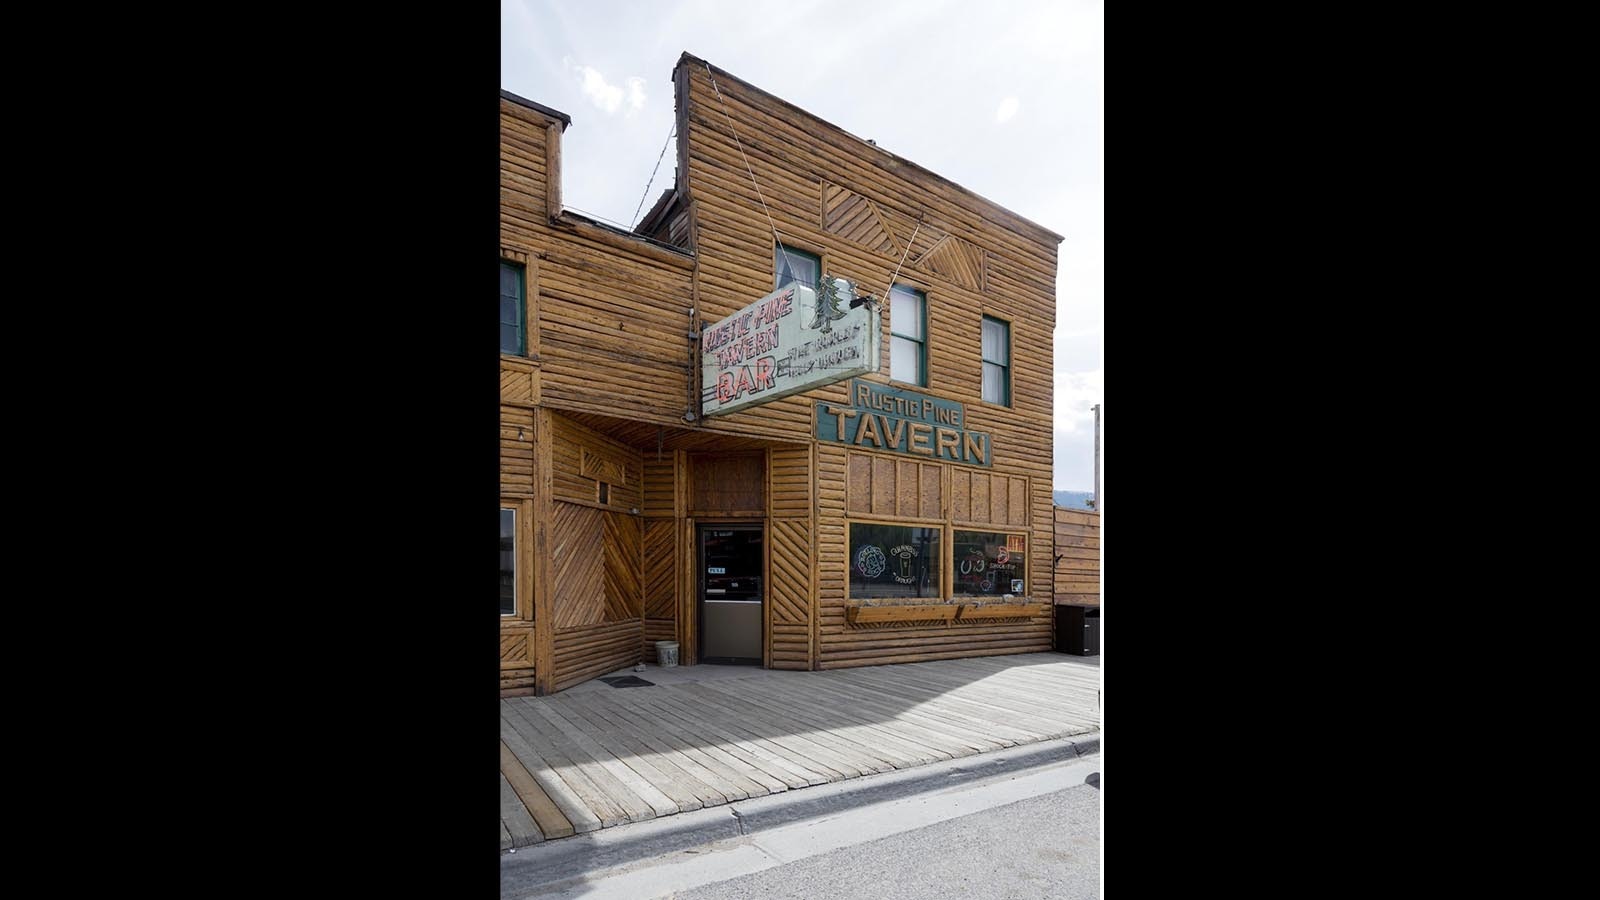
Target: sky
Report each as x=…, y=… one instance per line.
x=1004, y=98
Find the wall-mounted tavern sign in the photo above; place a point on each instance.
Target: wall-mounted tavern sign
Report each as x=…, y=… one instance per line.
x=793, y=339
x=889, y=419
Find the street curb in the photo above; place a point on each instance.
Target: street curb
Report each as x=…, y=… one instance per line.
x=546, y=865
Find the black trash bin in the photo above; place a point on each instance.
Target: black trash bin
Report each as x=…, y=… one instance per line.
x=1078, y=630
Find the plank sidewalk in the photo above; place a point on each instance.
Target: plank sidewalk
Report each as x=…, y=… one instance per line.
x=594, y=757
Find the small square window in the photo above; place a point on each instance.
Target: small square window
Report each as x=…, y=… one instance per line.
x=789, y=264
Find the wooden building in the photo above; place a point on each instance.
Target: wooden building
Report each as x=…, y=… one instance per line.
x=903, y=514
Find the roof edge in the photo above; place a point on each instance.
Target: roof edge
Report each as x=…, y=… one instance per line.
x=537, y=107
x=688, y=57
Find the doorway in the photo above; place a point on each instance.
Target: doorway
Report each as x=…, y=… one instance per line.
x=732, y=592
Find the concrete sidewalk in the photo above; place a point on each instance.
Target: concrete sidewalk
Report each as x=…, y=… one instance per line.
x=681, y=852
x=705, y=736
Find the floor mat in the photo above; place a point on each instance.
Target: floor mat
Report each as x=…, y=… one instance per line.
x=620, y=681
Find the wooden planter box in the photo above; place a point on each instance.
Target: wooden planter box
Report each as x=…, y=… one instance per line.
x=1003, y=611
x=932, y=612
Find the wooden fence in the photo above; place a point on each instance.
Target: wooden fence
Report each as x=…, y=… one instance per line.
x=1077, y=557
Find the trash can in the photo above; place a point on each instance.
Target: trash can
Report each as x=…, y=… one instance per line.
x=666, y=654
x=1078, y=630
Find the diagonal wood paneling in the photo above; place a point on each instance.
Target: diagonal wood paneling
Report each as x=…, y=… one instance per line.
x=576, y=558
x=516, y=385
x=623, y=591
x=791, y=571
x=957, y=261
x=514, y=650
x=602, y=468
x=902, y=228
x=659, y=571
x=856, y=218
x=789, y=471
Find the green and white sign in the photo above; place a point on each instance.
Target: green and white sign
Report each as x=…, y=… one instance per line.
x=884, y=418
x=792, y=340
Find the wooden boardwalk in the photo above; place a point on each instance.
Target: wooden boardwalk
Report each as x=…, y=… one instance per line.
x=594, y=756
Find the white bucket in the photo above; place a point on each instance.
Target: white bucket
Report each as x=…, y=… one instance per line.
x=666, y=654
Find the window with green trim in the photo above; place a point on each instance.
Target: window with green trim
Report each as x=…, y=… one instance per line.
x=789, y=264
x=513, y=310
x=996, y=361
x=908, y=335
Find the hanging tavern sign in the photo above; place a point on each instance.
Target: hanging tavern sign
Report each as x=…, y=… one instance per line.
x=793, y=339
x=886, y=418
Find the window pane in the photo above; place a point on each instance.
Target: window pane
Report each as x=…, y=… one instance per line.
x=511, y=308
x=987, y=563
x=994, y=383
x=795, y=265
x=508, y=562
x=905, y=361
x=994, y=342
x=905, y=313
x=893, y=561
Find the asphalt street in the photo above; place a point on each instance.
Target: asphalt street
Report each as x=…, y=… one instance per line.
x=1046, y=846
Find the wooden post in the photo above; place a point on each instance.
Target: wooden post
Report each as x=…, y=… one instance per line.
x=543, y=608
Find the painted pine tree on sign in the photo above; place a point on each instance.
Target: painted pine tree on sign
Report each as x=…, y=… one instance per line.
x=828, y=310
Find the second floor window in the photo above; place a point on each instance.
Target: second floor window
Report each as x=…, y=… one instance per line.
x=908, y=336
x=789, y=264
x=513, y=311
x=996, y=361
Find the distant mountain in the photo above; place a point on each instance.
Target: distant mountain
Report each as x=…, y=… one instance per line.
x=1074, y=499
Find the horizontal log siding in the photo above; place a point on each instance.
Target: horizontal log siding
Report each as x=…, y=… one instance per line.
x=794, y=157
x=1077, y=542
x=613, y=315
x=571, y=441
x=593, y=650
x=614, y=320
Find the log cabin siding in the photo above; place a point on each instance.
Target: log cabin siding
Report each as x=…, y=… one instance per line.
x=802, y=164
x=611, y=319
x=1077, y=544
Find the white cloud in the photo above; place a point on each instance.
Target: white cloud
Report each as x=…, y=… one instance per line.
x=1075, y=395
x=1008, y=108
x=606, y=96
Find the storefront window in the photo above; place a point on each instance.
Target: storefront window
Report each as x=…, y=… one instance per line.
x=893, y=561
x=508, y=562
x=990, y=563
